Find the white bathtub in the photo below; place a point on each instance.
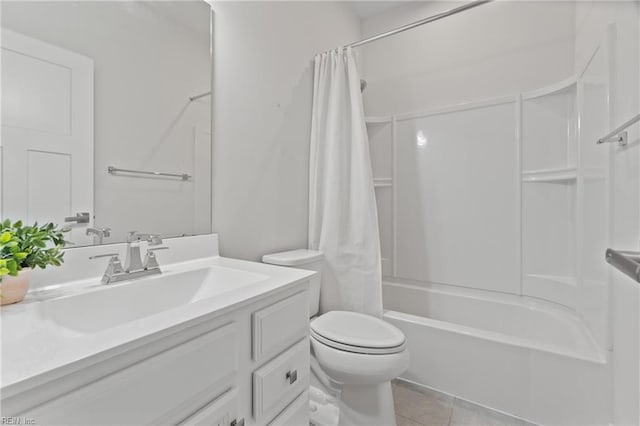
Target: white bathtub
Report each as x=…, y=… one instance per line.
x=522, y=356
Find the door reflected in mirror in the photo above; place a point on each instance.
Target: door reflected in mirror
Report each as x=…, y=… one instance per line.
x=106, y=117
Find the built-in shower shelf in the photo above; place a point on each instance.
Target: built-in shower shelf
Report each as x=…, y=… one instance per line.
x=382, y=182
x=567, y=85
x=550, y=175
x=592, y=173
x=378, y=119
x=559, y=279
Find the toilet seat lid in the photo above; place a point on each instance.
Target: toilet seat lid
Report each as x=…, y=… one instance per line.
x=356, y=332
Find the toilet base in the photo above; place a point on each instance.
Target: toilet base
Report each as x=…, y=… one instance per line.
x=351, y=405
x=367, y=405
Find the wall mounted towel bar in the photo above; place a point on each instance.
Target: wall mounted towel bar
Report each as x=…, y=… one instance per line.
x=618, y=135
x=627, y=262
x=182, y=176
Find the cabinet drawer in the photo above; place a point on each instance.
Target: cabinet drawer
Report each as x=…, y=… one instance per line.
x=279, y=325
x=296, y=414
x=162, y=389
x=220, y=412
x=279, y=381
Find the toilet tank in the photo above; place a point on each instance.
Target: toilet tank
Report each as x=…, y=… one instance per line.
x=312, y=260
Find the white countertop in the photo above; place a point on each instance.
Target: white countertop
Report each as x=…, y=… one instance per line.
x=36, y=349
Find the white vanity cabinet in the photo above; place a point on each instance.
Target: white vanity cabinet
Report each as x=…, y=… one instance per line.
x=248, y=364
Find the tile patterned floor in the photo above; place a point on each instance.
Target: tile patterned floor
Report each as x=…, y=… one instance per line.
x=417, y=406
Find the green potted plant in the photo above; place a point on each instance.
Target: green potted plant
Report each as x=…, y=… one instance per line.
x=23, y=248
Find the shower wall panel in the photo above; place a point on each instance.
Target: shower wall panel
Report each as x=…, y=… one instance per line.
x=458, y=198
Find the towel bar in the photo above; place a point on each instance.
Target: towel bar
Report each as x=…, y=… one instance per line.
x=627, y=262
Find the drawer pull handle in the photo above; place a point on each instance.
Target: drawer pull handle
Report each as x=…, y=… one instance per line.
x=236, y=422
x=292, y=376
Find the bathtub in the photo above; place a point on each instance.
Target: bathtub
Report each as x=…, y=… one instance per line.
x=522, y=356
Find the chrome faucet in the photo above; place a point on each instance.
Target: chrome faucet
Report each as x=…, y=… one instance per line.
x=134, y=267
x=99, y=233
x=133, y=262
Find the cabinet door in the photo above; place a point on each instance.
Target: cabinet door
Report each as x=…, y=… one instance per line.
x=296, y=414
x=220, y=412
x=163, y=389
x=280, y=325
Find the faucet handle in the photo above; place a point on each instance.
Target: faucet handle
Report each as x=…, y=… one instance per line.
x=150, y=261
x=98, y=256
x=114, y=267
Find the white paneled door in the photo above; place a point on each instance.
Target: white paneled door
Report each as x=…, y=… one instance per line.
x=47, y=134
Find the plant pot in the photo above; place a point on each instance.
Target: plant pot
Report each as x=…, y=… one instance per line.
x=13, y=289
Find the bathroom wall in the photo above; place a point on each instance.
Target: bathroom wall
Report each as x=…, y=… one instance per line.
x=493, y=50
x=263, y=74
x=592, y=19
x=149, y=57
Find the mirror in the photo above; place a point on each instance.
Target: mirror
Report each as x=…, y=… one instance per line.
x=106, y=117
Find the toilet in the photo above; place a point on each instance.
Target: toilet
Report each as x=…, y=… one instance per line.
x=360, y=354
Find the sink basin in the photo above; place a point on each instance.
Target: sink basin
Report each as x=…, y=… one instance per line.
x=118, y=304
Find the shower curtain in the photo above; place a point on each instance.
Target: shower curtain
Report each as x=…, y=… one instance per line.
x=343, y=220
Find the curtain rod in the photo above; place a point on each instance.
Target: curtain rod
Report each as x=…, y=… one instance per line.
x=420, y=22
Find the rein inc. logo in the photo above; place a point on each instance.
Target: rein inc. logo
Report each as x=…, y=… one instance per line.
x=17, y=421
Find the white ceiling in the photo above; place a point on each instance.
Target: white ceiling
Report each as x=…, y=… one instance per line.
x=366, y=8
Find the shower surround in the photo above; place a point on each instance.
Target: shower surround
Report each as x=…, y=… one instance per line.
x=496, y=205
